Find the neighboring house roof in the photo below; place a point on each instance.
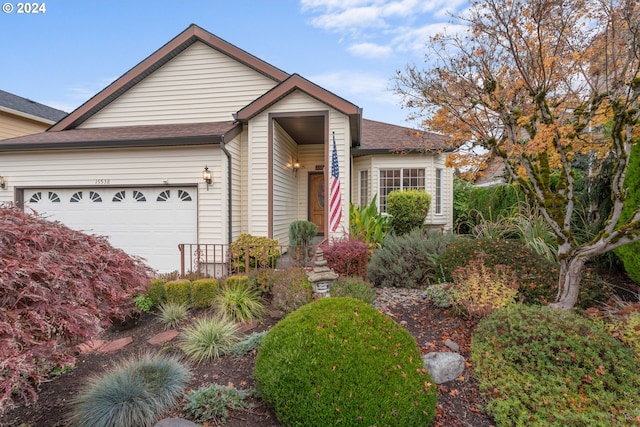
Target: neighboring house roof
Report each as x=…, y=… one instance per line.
x=156, y=60
x=26, y=107
x=493, y=174
x=381, y=138
x=130, y=136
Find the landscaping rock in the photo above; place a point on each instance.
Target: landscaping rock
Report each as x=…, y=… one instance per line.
x=443, y=366
x=453, y=346
x=163, y=337
x=175, y=422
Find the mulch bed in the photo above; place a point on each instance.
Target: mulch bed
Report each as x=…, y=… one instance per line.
x=459, y=402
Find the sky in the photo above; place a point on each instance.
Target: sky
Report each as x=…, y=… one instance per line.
x=72, y=49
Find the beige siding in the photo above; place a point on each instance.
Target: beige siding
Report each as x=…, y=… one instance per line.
x=285, y=184
x=12, y=126
x=199, y=85
x=429, y=162
x=119, y=168
x=258, y=171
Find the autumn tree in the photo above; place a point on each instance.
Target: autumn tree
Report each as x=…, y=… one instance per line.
x=537, y=83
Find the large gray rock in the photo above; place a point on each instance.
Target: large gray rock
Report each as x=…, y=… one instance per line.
x=443, y=366
x=175, y=422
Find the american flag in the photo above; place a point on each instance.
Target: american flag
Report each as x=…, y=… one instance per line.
x=335, y=203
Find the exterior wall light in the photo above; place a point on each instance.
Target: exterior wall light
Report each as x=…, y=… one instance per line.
x=3, y=183
x=206, y=176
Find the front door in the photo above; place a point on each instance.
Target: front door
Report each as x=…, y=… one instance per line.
x=316, y=200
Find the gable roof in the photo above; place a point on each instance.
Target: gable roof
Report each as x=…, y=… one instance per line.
x=192, y=34
x=28, y=108
x=381, y=138
x=126, y=136
x=297, y=82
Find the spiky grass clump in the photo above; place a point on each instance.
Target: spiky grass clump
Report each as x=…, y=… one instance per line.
x=209, y=338
x=134, y=393
x=239, y=301
x=171, y=314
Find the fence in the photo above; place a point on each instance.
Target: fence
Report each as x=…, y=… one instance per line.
x=222, y=260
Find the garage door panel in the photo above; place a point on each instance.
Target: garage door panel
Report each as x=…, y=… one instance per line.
x=147, y=222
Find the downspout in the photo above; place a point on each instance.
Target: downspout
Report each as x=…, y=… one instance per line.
x=229, y=192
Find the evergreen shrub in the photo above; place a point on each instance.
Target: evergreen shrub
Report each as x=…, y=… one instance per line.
x=408, y=261
x=212, y=403
x=540, y=366
x=178, y=291
x=136, y=392
x=408, y=209
x=301, y=235
x=347, y=256
x=203, y=292
x=156, y=292
x=629, y=254
x=339, y=361
x=263, y=252
x=535, y=276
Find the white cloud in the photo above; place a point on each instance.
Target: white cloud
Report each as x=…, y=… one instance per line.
x=370, y=50
x=357, y=84
x=414, y=40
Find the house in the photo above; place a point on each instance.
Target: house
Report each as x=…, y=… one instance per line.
x=21, y=116
x=201, y=142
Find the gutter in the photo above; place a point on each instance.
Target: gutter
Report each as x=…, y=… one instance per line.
x=229, y=192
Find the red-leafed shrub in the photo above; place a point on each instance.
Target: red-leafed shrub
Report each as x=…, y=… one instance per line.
x=347, y=257
x=57, y=288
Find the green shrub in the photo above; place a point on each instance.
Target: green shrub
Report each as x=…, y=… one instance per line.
x=629, y=254
x=291, y=289
x=156, y=292
x=136, y=392
x=301, y=235
x=408, y=261
x=178, y=291
x=440, y=295
x=212, y=403
x=408, y=209
x=341, y=361
x=461, y=218
x=536, y=277
x=492, y=203
x=626, y=327
x=479, y=290
x=143, y=303
x=367, y=224
x=540, y=366
x=208, y=338
x=238, y=300
x=347, y=256
x=353, y=287
x=203, y=292
x=171, y=314
x=262, y=251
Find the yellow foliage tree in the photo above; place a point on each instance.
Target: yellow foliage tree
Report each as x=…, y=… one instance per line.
x=536, y=82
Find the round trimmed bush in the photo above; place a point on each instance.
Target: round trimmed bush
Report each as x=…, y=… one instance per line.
x=340, y=361
x=136, y=392
x=541, y=366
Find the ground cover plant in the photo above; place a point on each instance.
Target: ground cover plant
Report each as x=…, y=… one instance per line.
x=539, y=366
x=340, y=361
x=57, y=288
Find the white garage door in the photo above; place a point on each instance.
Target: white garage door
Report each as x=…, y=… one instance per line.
x=148, y=222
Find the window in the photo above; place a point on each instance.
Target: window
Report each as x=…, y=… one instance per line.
x=438, y=191
x=399, y=179
x=118, y=197
x=364, y=188
x=163, y=196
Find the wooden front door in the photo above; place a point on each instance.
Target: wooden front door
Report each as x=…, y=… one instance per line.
x=317, y=199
